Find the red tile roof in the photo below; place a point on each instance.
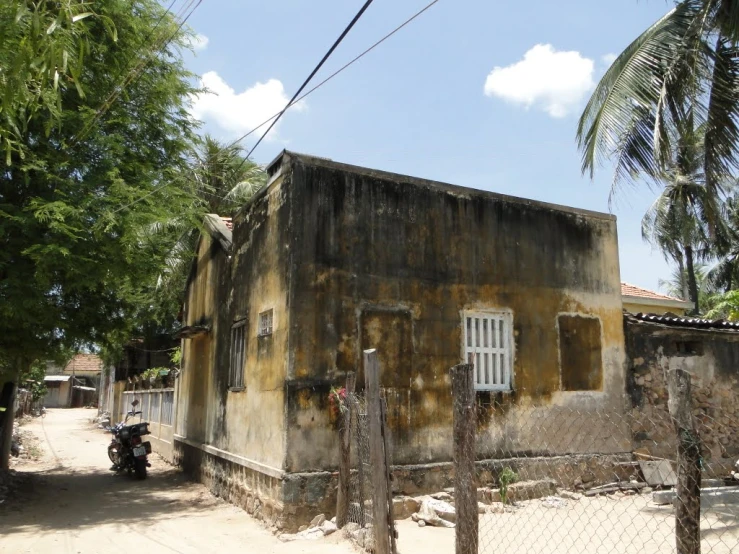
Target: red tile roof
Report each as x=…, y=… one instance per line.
x=89, y=363
x=633, y=290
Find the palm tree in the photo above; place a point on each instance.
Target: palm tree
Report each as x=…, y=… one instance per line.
x=724, y=275
x=684, y=67
x=222, y=180
x=686, y=215
x=677, y=285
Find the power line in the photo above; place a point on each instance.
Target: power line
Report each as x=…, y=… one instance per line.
x=312, y=74
x=335, y=73
x=311, y=91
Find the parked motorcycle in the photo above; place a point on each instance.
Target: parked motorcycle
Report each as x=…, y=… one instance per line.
x=127, y=450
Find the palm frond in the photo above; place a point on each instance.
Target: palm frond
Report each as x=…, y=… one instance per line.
x=722, y=120
x=638, y=81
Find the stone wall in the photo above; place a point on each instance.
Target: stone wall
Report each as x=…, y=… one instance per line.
x=283, y=503
x=712, y=358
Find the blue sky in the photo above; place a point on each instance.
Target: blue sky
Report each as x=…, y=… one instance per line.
x=477, y=93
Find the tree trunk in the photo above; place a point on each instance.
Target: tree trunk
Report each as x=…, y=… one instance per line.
x=7, y=401
x=683, y=282
x=692, y=283
x=7, y=418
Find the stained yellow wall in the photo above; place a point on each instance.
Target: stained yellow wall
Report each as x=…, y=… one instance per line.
x=255, y=417
x=369, y=242
x=198, y=354
x=226, y=288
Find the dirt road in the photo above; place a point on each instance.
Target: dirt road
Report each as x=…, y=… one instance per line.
x=78, y=506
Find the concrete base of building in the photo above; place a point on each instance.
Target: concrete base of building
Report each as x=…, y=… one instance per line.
x=285, y=501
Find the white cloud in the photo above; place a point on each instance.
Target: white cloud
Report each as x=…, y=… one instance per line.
x=200, y=42
x=553, y=81
x=237, y=113
x=608, y=59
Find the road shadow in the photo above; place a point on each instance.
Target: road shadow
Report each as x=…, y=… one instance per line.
x=76, y=499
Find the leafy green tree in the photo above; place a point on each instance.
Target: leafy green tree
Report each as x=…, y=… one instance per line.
x=724, y=306
x=77, y=192
x=683, y=67
x=42, y=51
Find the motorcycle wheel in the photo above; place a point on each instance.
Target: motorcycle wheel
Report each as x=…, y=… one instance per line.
x=140, y=468
x=113, y=454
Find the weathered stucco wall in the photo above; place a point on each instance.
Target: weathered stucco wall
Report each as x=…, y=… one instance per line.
x=712, y=359
x=390, y=262
x=198, y=353
x=254, y=417
x=247, y=423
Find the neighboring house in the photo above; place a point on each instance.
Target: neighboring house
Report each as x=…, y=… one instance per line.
x=58, y=391
x=709, y=350
x=75, y=385
x=330, y=259
x=638, y=300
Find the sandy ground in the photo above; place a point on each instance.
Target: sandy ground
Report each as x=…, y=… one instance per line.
x=76, y=505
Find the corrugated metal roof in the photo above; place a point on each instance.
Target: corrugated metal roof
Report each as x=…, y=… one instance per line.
x=52, y=378
x=677, y=321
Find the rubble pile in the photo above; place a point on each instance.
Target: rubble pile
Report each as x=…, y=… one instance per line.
x=23, y=444
x=102, y=420
x=319, y=527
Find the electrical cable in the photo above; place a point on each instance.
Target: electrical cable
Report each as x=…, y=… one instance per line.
x=312, y=74
x=311, y=91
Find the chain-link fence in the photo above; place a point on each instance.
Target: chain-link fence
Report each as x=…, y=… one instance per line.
x=360, y=482
x=563, y=479
x=364, y=504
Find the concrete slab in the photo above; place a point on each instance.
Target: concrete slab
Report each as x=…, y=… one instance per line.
x=658, y=473
x=711, y=495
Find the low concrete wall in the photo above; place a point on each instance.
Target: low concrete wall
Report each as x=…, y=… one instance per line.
x=157, y=406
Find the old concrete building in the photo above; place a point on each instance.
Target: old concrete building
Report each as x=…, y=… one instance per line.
x=330, y=259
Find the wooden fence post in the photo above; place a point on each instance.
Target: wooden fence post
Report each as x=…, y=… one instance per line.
x=465, y=488
x=342, y=499
x=688, y=508
x=388, y=478
x=377, y=453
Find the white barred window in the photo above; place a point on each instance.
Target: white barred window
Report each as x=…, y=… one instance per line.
x=265, y=323
x=488, y=336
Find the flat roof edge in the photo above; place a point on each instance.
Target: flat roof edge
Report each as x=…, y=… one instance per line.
x=448, y=187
